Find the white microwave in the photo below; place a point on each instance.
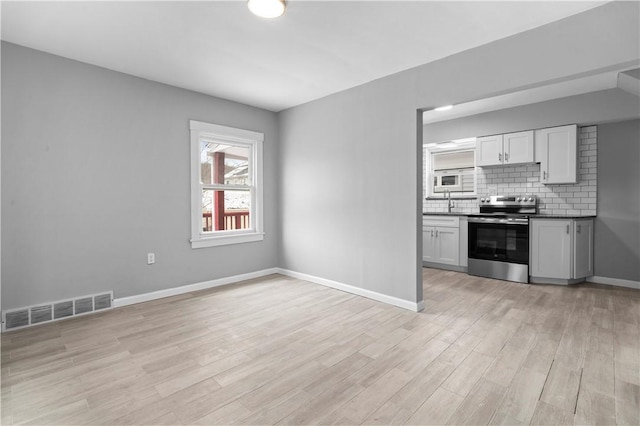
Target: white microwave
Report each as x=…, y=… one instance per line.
x=447, y=182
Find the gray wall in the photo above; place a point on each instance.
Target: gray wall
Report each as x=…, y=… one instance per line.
x=95, y=169
x=95, y=174
x=617, y=227
x=589, y=108
x=350, y=183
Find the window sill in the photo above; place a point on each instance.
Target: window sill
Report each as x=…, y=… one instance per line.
x=226, y=240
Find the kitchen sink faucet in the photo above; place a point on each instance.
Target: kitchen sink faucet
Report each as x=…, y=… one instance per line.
x=450, y=204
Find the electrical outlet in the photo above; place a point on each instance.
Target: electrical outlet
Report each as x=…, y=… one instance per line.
x=151, y=258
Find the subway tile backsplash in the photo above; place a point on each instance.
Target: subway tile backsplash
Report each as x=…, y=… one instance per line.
x=577, y=199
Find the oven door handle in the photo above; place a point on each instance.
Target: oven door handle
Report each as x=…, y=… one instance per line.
x=507, y=221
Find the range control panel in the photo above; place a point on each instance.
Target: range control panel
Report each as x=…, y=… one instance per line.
x=510, y=200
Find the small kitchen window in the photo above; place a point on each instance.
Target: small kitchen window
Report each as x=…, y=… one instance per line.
x=450, y=167
x=226, y=185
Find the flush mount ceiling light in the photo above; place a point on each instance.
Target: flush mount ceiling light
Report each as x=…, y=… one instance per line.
x=267, y=8
x=444, y=108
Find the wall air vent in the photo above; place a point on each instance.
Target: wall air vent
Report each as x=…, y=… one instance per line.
x=102, y=301
x=62, y=309
x=41, y=314
x=17, y=318
x=84, y=305
x=47, y=312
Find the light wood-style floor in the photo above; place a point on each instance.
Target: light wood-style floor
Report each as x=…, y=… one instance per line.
x=282, y=351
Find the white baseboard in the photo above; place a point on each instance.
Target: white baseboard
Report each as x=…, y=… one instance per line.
x=145, y=297
x=401, y=303
x=615, y=281
x=174, y=291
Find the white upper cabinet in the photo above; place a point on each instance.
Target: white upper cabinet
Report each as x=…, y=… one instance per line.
x=510, y=148
x=557, y=151
x=489, y=150
x=518, y=147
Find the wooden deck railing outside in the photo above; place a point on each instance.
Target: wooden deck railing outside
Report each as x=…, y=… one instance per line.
x=232, y=219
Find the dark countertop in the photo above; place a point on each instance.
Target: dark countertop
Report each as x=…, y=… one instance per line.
x=561, y=216
x=538, y=216
x=445, y=214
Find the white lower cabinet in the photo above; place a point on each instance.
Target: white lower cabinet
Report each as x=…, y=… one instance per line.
x=441, y=245
x=441, y=240
x=550, y=249
x=561, y=249
x=428, y=244
x=464, y=242
x=447, y=245
x=583, y=247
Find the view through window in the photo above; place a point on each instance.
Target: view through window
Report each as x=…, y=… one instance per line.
x=226, y=181
x=226, y=186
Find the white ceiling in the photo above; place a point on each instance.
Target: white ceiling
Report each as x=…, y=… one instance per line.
x=315, y=49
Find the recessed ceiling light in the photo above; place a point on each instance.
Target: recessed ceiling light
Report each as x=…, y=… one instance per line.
x=267, y=8
x=444, y=108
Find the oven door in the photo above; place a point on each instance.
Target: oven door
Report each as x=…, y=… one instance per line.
x=502, y=240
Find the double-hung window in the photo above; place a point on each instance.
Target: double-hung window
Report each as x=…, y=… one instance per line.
x=226, y=185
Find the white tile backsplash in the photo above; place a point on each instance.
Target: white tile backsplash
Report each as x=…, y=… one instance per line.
x=576, y=199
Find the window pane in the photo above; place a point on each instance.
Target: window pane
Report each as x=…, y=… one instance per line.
x=225, y=210
x=225, y=164
x=207, y=211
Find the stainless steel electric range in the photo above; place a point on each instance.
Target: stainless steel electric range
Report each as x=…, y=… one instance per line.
x=499, y=237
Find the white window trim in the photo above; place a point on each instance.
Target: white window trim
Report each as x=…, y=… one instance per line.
x=429, y=175
x=200, y=239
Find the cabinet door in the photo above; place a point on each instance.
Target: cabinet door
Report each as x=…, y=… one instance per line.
x=518, y=147
x=583, y=249
x=447, y=243
x=489, y=150
x=551, y=248
x=428, y=244
x=559, y=156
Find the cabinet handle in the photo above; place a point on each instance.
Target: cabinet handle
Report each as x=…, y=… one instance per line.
x=544, y=175
x=499, y=157
x=436, y=233
x=578, y=230
x=568, y=229
x=432, y=233
x=506, y=156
